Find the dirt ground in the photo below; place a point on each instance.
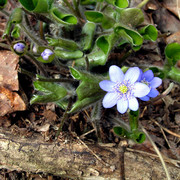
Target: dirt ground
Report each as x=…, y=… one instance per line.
x=160, y=117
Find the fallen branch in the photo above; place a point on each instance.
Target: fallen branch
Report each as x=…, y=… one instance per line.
x=68, y=157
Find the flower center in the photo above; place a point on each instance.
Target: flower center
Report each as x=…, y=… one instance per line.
x=123, y=89
x=145, y=82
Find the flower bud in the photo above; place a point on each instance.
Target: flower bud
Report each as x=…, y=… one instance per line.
x=19, y=47
x=46, y=53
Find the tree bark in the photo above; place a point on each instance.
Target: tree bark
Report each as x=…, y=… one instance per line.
x=71, y=158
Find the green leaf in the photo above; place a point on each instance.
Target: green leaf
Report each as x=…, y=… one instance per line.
x=149, y=32
x=96, y=57
x=174, y=74
x=119, y=3
x=88, y=91
x=87, y=35
x=52, y=92
x=63, y=43
x=2, y=3
x=172, y=52
x=88, y=2
x=105, y=43
x=129, y=35
x=14, y=18
x=138, y=136
x=75, y=73
x=133, y=119
x=120, y=131
x=16, y=32
x=94, y=16
x=68, y=55
x=66, y=19
x=131, y=17
x=37, y=6
x=107, y=22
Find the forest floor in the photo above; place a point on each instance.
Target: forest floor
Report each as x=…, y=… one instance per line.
x=160, y=117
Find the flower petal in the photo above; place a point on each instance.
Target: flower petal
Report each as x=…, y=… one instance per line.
x=133, y=104
x=107, y=85
x=132, y=74
x=140, y=76
x=145, y=98
x=140, y=89
x=110, y=99
x=153, y=93
x=122, y=106
x=156, y=82
x=116, y=74
x=148, y=75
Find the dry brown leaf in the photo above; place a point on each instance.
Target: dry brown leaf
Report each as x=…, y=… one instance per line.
x=50, y=115
x=172, y=6
x=9, y=101
x=173, y=38
x=8, y=70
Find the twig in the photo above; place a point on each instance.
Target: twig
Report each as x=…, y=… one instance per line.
x=178, y=8
x=64, y=118
x=167, y=130
x=87, y=63
x=122, y=148
x=97, y=157
x=144, y=2
x=36, y=62
x=85, y=134
x=158, y=153
x=57, y=80
x=168, y=160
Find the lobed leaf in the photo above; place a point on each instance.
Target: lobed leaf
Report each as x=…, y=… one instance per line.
x=66, y=19
x=52, y=92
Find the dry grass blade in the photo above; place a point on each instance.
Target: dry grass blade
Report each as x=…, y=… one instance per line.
x=158, y=152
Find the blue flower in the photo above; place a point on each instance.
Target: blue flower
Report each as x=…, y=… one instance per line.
x=46, y=53
x=153, y=82
x=122, y=89
x=19, y=47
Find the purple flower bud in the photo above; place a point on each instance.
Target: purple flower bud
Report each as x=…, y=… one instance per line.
x=19, y=47
x=46, y=53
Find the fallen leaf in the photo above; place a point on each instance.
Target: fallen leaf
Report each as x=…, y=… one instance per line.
x=10, y=101
x=43, y=128
x=175, y=37
x=173, y=6
x=8, y=70
x=50, y=115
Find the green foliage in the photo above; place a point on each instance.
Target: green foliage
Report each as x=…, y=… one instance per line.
x=149, y=32
x=2, y=3
x=51, y=92
x=88, y=91
x=37, y=6
x=119, y=3
x=68, y=55
x=66, y=19
x=88, y=31
x=62, y=43
x=172, y=52
x=15, y=18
